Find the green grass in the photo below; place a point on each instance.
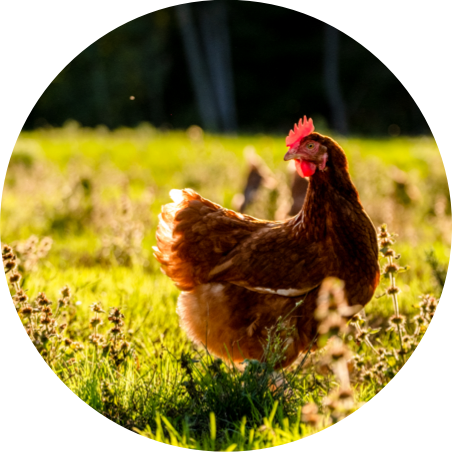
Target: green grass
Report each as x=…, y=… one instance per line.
x=72, y=184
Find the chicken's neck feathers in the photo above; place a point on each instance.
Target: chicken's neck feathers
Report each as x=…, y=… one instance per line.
x=328, y=198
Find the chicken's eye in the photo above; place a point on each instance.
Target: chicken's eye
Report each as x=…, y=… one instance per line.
x=310, y=146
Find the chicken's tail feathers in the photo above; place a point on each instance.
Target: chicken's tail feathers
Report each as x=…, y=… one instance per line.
x=167, y=241
x=195, y=234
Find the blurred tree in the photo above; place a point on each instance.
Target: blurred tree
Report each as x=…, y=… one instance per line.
x=99, y=82
x=214, y=27
x=202, y=84
x=225, y=62
x=332, y=82
x=210, y=63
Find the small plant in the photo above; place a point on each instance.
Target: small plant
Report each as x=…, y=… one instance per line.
x=387, y=359
x=116, y=347
x=121, y=241
x=332, y=313
x=47, y=322
x=44, y=320
x=31, y=251
x=390, y=271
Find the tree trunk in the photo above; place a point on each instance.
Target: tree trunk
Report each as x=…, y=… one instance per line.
x=331, y=80
x=215, y=33
x=99, y=83
x=199, y=74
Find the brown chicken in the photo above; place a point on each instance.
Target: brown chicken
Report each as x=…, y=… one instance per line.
x=238, y=274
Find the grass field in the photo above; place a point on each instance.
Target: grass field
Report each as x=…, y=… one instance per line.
x=80, y=208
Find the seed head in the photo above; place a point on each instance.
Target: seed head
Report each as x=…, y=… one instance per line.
x=97, y=339
x=10, y=265
x=96, y=307
x=355, y=319
x=42, y=299
x=382, y=229
x=77, y=346
x=344, y=393
x=63, y=302
x=338, y=350
x=125, y=345
x=359, y=362
x=407, y=342
x=65, y=292
x=391, y=268
x=433, y=303
x=115, y=315
x=6, y=249
x=386, y=242
x=397, y=320
x=45, y=319
x=424, y=299
x=419, y=320
x=21, y=296
x=392, y=290
x=380, y=366
x=115, y=330
x=15, y=277
x=362, y=335
x=368, y=376
x=94, y=322
x=332, y=325
x=331, y=403
x=26, y=310
x=331, y=298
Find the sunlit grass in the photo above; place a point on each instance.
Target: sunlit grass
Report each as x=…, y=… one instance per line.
x=69, y=184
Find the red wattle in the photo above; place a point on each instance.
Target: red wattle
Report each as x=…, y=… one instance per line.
x=304, y=168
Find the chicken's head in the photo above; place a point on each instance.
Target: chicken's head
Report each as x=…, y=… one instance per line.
x=309, y=153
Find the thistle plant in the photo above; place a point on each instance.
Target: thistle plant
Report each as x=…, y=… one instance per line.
x=121, y=241
x=43, y=320
x=387, y=360
x=94, y=323
x=390, y=271
x=30, y=251
x=46, y=322
x=332, y=313
x=363, y=333
x=117, y=348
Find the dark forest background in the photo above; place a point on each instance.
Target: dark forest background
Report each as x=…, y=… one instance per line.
x=229, y=66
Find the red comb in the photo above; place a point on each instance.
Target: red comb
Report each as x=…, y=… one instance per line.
x=303, y=129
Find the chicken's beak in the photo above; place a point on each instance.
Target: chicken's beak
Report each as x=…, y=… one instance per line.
x=292, y=154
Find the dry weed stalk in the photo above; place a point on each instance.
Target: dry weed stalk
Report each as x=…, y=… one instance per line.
x=30, y=251
x=121, y=241
x=390, y=270
x=46, y=322
x=389, y=360
x=332, y=313
x=44, y=325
